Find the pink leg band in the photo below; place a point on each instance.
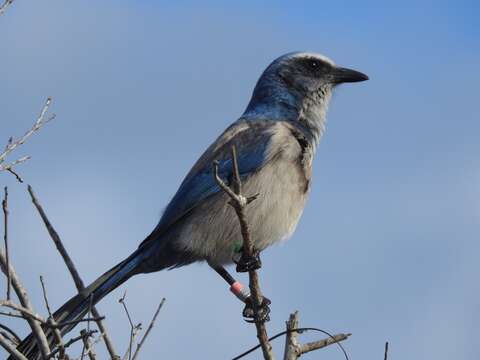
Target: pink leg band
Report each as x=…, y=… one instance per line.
x=240, y=291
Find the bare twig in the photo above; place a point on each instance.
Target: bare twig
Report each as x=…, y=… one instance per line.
x=73, y=272
x=239, y=202
x=11, y=171
x=385, y=356
x=300, y=331
x=11, y=349
x=25, y=302
x=12, y=335
x=71, y=342
x=87, y=346
x=5, y=237
x=150, y=326
x=293, y=349
x=292, y=345
x=53, y=324
x=134, y=329
x=13, y=144
x=4, y=6
x=24, y=311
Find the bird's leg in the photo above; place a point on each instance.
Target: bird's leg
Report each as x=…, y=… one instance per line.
x=243, y=294
x=248, y=263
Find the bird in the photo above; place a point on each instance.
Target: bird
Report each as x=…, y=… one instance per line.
x=276, y=139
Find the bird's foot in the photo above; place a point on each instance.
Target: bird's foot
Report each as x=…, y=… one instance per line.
x=245, y=264
x=253, y=313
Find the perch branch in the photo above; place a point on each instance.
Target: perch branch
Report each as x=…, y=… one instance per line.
x=73, y=272
x=239, y=203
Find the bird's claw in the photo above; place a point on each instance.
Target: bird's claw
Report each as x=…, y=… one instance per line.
x=245, y=264
x=262, y=313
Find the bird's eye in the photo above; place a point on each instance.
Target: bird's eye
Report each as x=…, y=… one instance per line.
x=314, y=64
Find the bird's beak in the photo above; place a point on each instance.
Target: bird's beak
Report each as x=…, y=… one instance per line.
x=343, y=75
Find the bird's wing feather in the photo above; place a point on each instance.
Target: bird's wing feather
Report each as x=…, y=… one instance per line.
x=251, y=140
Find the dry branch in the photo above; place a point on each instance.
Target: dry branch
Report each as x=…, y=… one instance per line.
x=73, y=272
x=87, y=346
x=147, y=332
x=25, y=302
x=5, y=237
x=239, y=203
x=293, y=349
x=11, y=349
x=5, y=5
x=13, y=144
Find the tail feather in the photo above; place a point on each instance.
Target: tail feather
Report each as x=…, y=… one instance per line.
x=79, y=305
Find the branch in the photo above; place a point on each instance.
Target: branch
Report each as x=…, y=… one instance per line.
x=239, y=203
x=73, y=272
x=5, y=237
x=134, y=329
x=5, y=5
x=11, y=349
x=152, y=322
x=293, y=349
x=71, y=342
x=51, y=321
x=87, y=346
x=13, y=144
x=385, y=356
x=37, y=330
x=12, y=335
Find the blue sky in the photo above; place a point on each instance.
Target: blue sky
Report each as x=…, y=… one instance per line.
x=387, y=246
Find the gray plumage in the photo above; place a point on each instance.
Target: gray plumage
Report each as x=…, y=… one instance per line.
x=276, y=139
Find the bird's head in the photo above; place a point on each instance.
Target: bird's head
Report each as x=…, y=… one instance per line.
x=298, y=86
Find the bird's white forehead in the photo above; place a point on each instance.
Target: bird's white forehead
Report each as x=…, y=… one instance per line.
x=299, y=55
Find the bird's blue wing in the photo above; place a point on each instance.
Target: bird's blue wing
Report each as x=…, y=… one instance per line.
x=251, y=142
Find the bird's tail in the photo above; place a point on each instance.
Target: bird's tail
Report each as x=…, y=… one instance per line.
x=79, y=305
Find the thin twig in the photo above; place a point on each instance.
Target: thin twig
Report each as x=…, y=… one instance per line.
x=71, y=342
x=11, y=349
x=87, y=345
x=18, y=177
x=239, y=202
x=133, y=328
x=5, y=5
x=150, y=326
x=52, y=323
x=24, y=311
x=385, y=356
x=73, y=272
x=37, y=330
x=85, y=341
x=13, y=144
x=16, y=339
x=5, y=237
x=339, y=337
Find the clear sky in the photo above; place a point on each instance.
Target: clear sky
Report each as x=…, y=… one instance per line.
x=388, y=245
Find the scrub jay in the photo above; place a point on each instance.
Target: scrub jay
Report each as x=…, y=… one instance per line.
x=276, y=138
